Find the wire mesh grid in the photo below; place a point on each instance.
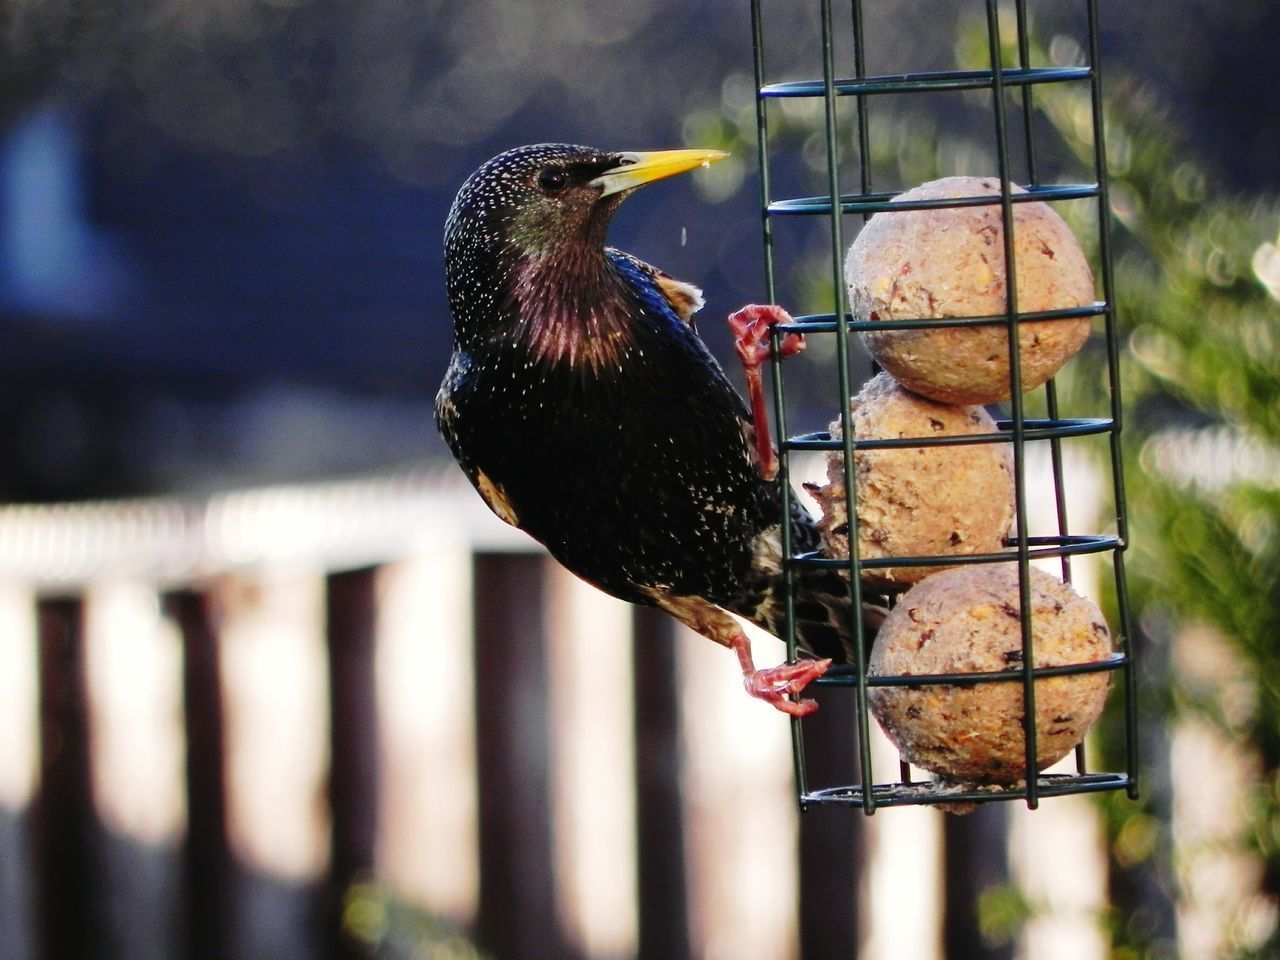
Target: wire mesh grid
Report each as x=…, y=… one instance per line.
x=1011, y=79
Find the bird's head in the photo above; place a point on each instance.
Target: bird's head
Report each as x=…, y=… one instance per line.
x=525, y=237
x=537, y=201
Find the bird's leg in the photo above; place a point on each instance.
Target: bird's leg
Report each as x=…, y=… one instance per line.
x=752, y=327
x=773, y=685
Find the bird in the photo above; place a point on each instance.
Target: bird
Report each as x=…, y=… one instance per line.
x=587, y=411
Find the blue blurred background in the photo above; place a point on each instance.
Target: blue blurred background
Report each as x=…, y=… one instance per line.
x=220, y=220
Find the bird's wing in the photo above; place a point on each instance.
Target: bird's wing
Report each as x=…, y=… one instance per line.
x=685, y=299
x=494, y=496
x=448, y=421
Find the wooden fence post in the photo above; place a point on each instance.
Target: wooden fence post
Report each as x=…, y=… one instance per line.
x=517, y=917
x=833, y=857
x=351, y=605
x=976, y=859
x=660, y=814
x=207, y=873
x=69, y=923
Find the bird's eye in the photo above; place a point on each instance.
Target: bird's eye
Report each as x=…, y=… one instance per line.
x=553, y=179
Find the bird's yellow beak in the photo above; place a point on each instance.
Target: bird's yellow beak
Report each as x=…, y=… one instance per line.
x=636, y=169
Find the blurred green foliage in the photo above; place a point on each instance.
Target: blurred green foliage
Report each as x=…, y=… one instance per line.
x=387, y=928
x=1196, y=292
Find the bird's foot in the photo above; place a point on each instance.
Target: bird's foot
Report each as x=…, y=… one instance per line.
x=752, y=328
x=775, y=684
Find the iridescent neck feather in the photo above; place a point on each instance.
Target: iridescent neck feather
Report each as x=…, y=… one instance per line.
x=571, y=309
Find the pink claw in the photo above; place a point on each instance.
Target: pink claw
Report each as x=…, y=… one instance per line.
x=774, y=684
x=751, y=328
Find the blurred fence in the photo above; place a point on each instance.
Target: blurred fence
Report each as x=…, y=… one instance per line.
x=220, y=720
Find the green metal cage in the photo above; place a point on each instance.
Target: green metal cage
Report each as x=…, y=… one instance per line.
x=847, y=92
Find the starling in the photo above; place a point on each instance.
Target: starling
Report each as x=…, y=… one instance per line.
x=586, y=410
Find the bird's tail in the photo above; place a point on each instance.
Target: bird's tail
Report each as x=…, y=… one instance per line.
x=822, y=611
x=822, y=615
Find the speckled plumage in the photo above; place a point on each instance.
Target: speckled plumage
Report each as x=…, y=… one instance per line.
x=586, y=409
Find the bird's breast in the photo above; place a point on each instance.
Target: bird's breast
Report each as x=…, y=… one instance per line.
x=633, y=476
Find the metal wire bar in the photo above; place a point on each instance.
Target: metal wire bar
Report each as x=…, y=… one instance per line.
x=1113, y=382
x=1015, y=399
x=1033, y=429
x=784, y=460
x=1028, y=108
x=1050, y=388
x=906, y=792
x=1056, y=470
x=826, y=322
x=1008, y=83
x=844, y=381
x=846, y=673
x=923, y=82
x=1037, y=548
x=762, y=150
x=876, y=202
x=860, y=76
